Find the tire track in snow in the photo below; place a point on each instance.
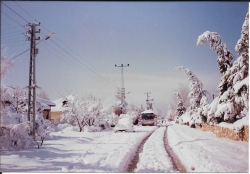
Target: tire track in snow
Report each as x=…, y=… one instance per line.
x=154, y=157
x=177, y=163
x=135, y=160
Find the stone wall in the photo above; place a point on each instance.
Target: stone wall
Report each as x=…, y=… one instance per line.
x=222, y=132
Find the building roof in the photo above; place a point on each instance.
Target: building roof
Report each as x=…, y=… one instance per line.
x=46, y=102
x=147, y=112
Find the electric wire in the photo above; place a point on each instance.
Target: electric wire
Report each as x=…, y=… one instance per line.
x=76, y=17
x=55, y=44
x=12, y=42
x=12, y=18
x=14, y=12
x=25, y=11
x=11, y=26
x=18, y=45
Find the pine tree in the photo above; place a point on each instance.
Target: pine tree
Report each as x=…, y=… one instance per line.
x=232, y=102
x=225, y=57
x=196, y=88
x=181, y=109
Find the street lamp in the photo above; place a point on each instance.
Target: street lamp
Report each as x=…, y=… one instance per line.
x=46, y=38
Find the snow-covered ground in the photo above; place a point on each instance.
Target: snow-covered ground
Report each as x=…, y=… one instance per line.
x=154, y=157
x=70, y=151
x=106, y=151
x=201, y=151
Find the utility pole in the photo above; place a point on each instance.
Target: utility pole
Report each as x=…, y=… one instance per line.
x=122, y=83
x=149, y=105
x=32, y=72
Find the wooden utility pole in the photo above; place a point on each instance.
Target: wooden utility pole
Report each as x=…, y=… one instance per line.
x=32, y=72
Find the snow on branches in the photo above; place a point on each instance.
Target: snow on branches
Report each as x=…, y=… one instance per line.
x=16, y=136
x=243, y=43
x=6, y=63
x=80, y=112
x=196, y=87
x=225, y=57
x=233, y=100
x=171, y=113
x=181, y=109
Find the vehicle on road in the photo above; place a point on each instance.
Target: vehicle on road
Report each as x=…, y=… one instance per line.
x=124, y=124
x=148, y=118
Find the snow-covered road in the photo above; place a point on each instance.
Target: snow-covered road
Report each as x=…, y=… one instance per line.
x=154, y=157
x=201, y=151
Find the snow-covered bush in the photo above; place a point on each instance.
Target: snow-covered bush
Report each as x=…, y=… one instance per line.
x=16, y=136
x=43, y=128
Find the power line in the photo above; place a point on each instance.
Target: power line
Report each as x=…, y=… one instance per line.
x=82, y=63
x=24, y=10
x=14, y=12
x=79, y=19
x=20, y=54
x=17, y=45
x=59, y=47
x=11, y=18
x=9, y=28
x=13, y=42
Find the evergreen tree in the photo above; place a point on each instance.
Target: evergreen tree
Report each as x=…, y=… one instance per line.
x=225, y=57
x=196, y=88
x=181, y=109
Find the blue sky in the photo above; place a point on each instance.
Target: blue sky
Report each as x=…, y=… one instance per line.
x=153, y=37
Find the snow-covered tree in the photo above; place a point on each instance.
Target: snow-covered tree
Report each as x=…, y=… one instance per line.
x=181, y=109
x=6, y=64
x=240, y=68
x=171, y=113
x=225, y=57
x=134, y=112
x=196, y=88
x=18, y=99
x=183, y=91
x=232, y=102
x=81, y=112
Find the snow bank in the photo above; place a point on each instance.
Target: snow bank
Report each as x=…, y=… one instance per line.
x=154, y=157
x=203, y=152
